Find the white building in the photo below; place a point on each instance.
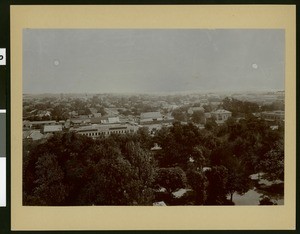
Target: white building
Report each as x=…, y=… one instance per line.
x=221, y=115
x=273, y=115
x=112, y=120
x=150, y=117
x=52, y=128
x=32, y=135
x=98, y=130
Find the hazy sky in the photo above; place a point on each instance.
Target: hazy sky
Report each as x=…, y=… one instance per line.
x=152, y=60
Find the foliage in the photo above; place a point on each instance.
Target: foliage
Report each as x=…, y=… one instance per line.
x=217, y=185
x=171, y=179
x=266, y=201
x=272, y=162
x=198, y=182
x=277, y=105
x=180, y=114
x=238, y=107
x=198, y=117
x=70, y=169
x=211, y=125
x=50, y=189
x=178, y=144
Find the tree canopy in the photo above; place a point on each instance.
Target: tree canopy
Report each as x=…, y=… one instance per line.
x=211, y=163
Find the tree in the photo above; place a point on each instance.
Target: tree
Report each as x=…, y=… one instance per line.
x=199, y=156
x=217, y=185
x=50, y=188
x=144, y=137
x=237, y=175
x=70, y=169
x=276, y=105
x=108, y=185
x=101, y=110
x=124, y=175
x=177, y=143
x=198, y=181
x=266, y=201
x=238, y=180
x=211, y=125
x=198, y=117
x=207, y=108
x=272, y=162
x=171, y=179
x=180, y=114
x=239, y=108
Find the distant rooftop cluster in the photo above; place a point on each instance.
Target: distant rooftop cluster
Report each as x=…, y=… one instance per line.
x=105, y=114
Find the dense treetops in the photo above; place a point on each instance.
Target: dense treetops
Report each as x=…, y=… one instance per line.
x=70, y=169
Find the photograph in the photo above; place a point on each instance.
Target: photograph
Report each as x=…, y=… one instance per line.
x=153, y=116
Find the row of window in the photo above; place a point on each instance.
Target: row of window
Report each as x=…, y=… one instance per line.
x=277, y=117
x=104, y=133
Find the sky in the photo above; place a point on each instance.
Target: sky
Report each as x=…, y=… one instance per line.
x=152, y=60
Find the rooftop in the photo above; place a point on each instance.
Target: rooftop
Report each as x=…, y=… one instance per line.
x=43, y=122
x=150, y=115
x=221, y=111
x=52, y=128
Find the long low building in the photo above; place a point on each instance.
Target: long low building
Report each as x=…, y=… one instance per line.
x=98, y=130
x=273, y=115
x=37, y=124
x=150, y=117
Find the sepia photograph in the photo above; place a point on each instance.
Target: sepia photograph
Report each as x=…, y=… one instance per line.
x=153, y=117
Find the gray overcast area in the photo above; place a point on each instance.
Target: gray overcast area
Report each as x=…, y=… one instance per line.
x=152, y=60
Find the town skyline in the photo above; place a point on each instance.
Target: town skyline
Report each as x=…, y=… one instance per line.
x=181, y=138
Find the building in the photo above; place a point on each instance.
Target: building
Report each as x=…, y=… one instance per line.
x=152, y=127
x=26, y=125
x=156, y=147
x=273, y=115
x=42, y=113
x=160, y=203
x=80, y=121
x=98, y=130
x=52, y=129
x=105, y=120
x=112, y=120
x=33, y=135
x=75, y=122
x=221, y=115
x=39, y=124
x=150, y=117
x=96, y=115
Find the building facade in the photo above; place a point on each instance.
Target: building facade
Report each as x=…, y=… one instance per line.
x=221, y=115
x=273, y=115
x=98, y=130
